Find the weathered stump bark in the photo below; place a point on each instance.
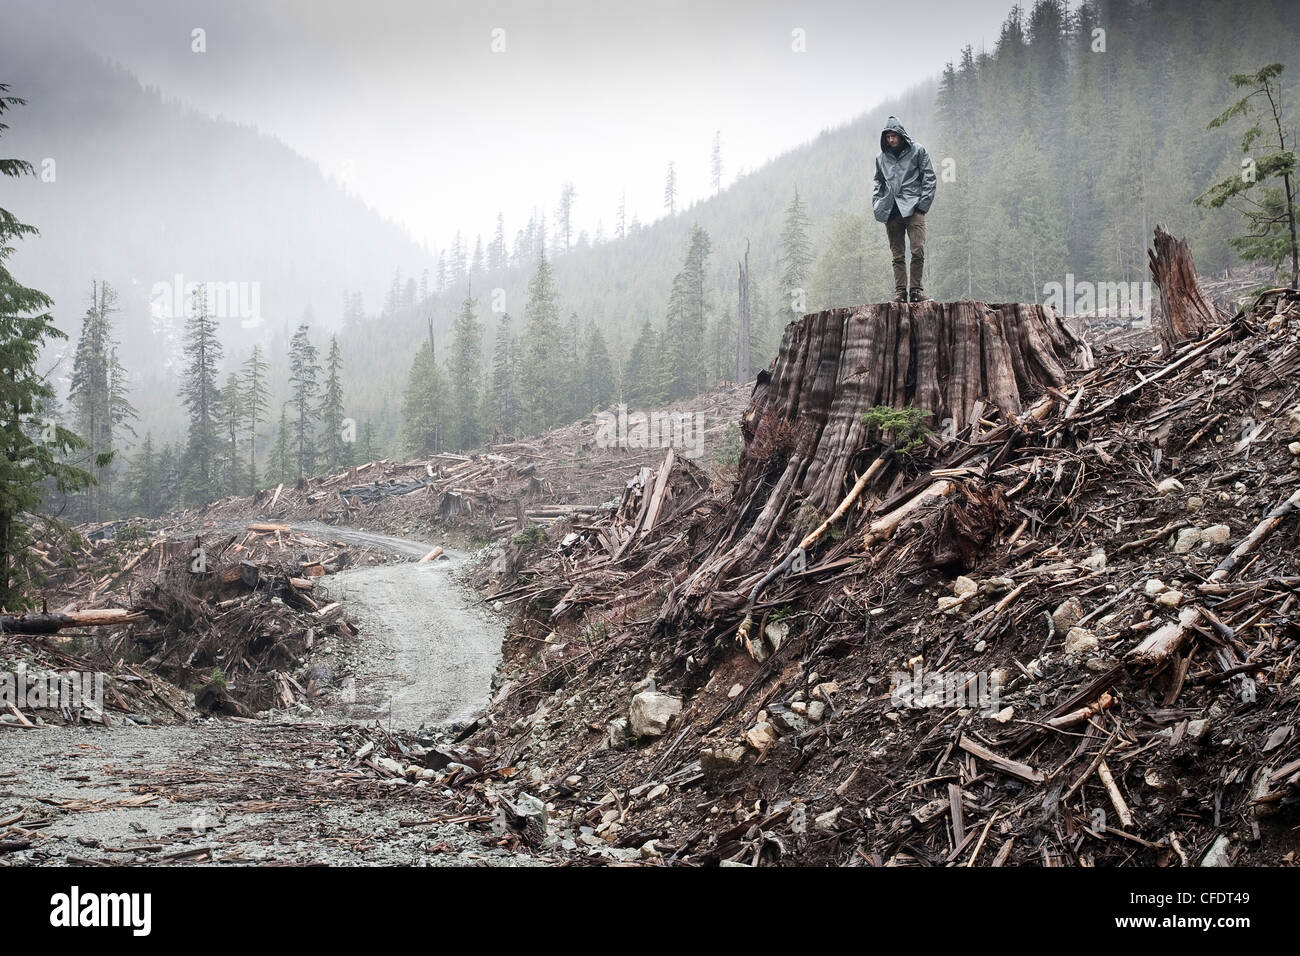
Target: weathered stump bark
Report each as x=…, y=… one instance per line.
x=1186, y=311
x=804, y=428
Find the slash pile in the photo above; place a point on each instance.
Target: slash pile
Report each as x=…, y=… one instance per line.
x=1064, y=635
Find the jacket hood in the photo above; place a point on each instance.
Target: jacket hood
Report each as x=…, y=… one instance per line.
x=893, y=125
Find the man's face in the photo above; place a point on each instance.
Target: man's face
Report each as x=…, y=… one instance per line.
x=893, y=140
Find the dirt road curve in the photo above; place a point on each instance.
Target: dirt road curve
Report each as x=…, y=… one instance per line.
x=219, y=791
x=431, y=648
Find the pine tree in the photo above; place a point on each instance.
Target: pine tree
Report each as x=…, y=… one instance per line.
x=715, y=163
x=255, y=406
x=1272, y=220
x=641, y=379
x=542, y=395
x=670, y=191
x=97, y=396
x=423, y=405
x=199, y=394
x=796, y=249
x=331, y=411
x=30, y=449
x=280, y=463
x=597, y=372
x=144, y=480
x=497, y=250
x=504, y=403
x=465, y=375
x=232, y=414
x=565, y=214
x=303, y=374
x=682, y=353
x=620, y=221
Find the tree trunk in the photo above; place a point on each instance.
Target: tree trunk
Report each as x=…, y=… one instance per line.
x=1186, y=311
x=804, y=430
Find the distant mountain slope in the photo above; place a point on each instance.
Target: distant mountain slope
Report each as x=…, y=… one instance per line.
x=144, y=189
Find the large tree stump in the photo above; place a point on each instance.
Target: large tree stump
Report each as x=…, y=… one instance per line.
x=804, y=427
x=1186, y=311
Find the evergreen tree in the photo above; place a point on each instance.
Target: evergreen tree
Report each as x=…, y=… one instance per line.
x=715, y=163
x=670, y=191
x=641, y=378
x=796, y=248
x=144, y=480
x=465, y=377
x=542, y=397
x=682, y=353
x=232, y=414
x=255, y=405
x=30, y=449
x=597, y=371
x=303, y=374
x=1272, y=216
x=504, y=401
x=564, y=225
x=337, y=452
x=199, y=394
x=423, y=405
x=280, y=463
x=97, y=396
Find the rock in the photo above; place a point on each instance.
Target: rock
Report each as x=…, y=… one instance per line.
x=761, y=736
x=776, y=633
x=722, y=863
x=320, y=673
x=948, y=605
x=825, y=689
x=963, y=586
x=1004, y=715
x=1218, y=853
x=1188, y=539
x=650, y=711
x=498, y=606
x=1197, y=729
x=534, y=813
x=616, y=735
x=1154, y=586
x=1170, y=598
x=1079, y=640
x=816, y=710
x=998, y=585
x=721, y=757
x=787, y=720
x=1294, y=448
x=981, y=647
x=799, y=706
x=828, y=822
x=390, y=765
x=1169, y=486
x=649, y=851
x=1195, y=503
x=1067, y=614
x=656, y=793
x=1217, y=535
x=646, y=683
x=735, y=691
x=1095, y=561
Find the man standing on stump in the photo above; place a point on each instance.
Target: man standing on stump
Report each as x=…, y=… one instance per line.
x=900, y=197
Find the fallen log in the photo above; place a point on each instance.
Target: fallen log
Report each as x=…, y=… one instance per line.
x=52, y=623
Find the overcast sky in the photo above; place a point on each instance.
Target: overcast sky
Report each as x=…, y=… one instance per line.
x=439, y=131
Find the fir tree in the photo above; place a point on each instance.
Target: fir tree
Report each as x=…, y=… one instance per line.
x=466, y=371
x=30, y=449
x=336, y=450
x=255, y=405
x=199, y=394
x=303, y=374
x=796, y=248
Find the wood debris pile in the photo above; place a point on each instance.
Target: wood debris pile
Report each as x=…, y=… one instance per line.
x=1066, y=634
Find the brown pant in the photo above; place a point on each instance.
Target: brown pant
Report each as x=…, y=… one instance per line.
x=914, y=229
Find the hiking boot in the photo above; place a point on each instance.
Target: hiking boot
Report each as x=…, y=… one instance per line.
x=900, y=295
x=918, y=295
